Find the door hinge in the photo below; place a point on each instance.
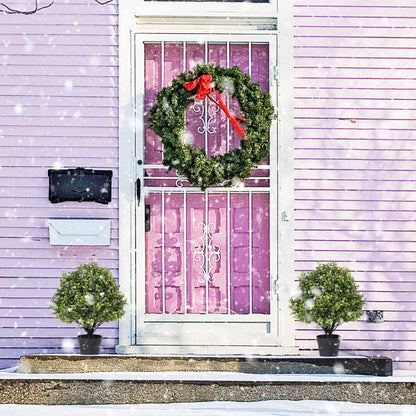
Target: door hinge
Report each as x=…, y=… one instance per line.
x=275, y=288
x=275, y=74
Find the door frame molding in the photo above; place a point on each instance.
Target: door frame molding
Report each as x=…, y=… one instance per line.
x=130, y=24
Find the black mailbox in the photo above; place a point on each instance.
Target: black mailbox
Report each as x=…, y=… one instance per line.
x=80, y=185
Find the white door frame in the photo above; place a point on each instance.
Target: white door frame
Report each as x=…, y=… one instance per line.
x=131, y=24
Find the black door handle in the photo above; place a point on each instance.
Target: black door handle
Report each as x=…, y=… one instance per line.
x=138, y=190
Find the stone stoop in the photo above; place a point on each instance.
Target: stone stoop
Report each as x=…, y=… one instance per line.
x=112, y=379
x=47, y=364
x=133, y=390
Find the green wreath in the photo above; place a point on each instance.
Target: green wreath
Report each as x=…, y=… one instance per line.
x=167, y=120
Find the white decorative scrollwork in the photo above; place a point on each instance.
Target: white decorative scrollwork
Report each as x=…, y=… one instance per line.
x=207, y=253
x=181, y=179
x=199, y=107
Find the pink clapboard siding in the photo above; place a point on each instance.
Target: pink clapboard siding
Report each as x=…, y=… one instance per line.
x=355, y=139
x=58, y=109
x=354, y=160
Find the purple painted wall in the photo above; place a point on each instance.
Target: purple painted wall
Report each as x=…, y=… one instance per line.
x=58, y=109
x=355, y=160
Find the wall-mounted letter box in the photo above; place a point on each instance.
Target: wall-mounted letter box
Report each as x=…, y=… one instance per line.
x=80, y=185
x=79, y=232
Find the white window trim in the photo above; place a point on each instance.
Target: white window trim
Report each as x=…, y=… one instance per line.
x=134, y=18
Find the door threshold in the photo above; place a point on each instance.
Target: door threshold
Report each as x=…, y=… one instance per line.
x=205, y=350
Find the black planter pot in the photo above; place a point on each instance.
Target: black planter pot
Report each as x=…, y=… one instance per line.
x=89, y=345
x=328, y=345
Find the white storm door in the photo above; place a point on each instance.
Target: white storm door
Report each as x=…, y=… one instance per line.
x=206, y=261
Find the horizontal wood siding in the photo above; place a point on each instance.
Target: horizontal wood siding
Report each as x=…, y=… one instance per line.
x=355, y=141
x=58, y=109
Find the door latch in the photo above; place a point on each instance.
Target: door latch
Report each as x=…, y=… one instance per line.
x=147, y=218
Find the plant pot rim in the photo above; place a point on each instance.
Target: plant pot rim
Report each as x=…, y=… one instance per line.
x=92, y=336
x=332, y=336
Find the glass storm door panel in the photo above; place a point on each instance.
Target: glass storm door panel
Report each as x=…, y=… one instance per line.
x=206, y=271
x=207, y=253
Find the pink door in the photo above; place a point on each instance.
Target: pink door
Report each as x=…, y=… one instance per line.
x=207, y=255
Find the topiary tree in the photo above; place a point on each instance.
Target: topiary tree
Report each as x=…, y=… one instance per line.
x=327, y=296
x=88, y=296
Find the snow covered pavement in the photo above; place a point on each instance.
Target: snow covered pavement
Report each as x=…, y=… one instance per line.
x=268, y=408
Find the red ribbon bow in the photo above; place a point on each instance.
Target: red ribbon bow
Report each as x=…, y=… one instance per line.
x=204, y=86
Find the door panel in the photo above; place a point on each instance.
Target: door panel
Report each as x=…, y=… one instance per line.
x=206, y=254
x=227, y=253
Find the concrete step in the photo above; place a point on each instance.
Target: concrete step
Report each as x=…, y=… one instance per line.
x=46, y=364
x=113, y=379
x=174, y=387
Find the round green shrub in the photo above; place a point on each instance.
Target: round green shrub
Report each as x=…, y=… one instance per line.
x=88, y=296
x=327, y=296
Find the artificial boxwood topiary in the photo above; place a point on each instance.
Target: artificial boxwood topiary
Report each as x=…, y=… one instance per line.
x=88, y=296
x=327, y=296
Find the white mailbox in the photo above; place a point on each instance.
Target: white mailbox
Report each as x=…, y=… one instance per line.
x=79, y=232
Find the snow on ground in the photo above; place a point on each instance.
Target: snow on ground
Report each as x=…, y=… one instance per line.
x=268, y=408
